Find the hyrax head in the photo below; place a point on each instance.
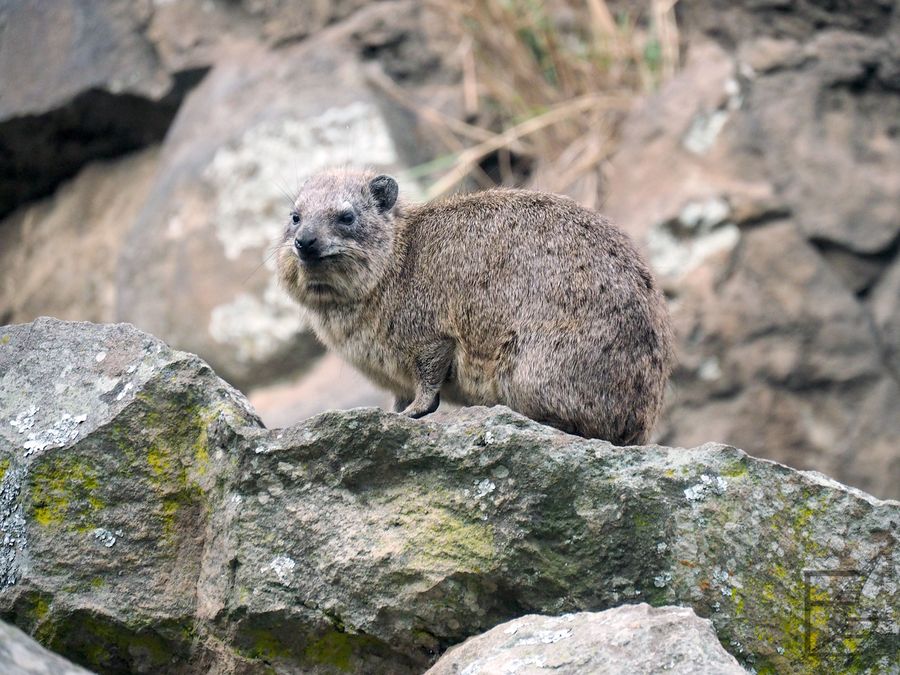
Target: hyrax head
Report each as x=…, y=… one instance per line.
x=339, y=237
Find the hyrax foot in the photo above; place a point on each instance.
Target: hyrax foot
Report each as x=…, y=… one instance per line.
x=432, y=364
x=423, y=405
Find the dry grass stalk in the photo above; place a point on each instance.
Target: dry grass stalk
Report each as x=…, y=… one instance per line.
x=556, y=77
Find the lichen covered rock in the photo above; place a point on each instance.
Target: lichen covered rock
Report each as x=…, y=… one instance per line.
x=109, y=442
x=152, y=524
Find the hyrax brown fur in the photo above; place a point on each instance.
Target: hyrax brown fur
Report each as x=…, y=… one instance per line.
x=500, y=297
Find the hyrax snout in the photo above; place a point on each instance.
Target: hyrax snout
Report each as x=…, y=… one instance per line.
x=509, y=297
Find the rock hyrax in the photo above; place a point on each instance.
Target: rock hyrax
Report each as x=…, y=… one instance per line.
x=509, y=297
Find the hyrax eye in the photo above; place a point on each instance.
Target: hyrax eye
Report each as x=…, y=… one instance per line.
x=295, y=217
x=346, y=218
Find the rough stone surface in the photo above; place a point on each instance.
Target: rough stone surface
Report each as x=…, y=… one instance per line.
x=150, y=524
x=81, y=81
x=627, y=639
x=885, y=307
x=59, y=254
x=764, y=182
x=21, y=655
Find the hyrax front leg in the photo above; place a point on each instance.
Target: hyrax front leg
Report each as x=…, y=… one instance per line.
x=401, y=403
x=432, y=366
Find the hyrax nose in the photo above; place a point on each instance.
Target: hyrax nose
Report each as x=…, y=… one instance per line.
x=307, y=245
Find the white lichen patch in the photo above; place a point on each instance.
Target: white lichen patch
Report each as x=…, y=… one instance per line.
x=63, y=432
x=484, y=488
x=122, y=394
x=254, y=327
x=725, y=582
x=250, y=175
x=701, y=216
x=545, y=637
x=660, y=580
x=704, y=130
x=282, y=567
x=100, y=357
x=709, y=369
x=701, y=230
x=105, y=537
x=24, y=420
x=707, y=486
x=708, y=124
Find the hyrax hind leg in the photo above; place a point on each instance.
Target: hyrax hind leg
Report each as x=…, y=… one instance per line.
x=562, y=385
x=432, y=363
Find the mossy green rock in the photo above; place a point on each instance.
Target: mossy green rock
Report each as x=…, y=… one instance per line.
x=170, y=532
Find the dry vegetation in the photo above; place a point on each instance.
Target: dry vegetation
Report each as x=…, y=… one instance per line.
x=545, y=85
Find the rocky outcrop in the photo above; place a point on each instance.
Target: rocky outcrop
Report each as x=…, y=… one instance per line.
x=93, y=79
x=81, y=82
x=764, y=181
x=627, y=639
x=20, y=655
x=151, y=524
x=59, y=254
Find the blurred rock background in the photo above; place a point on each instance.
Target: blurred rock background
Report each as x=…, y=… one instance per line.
x=148, y=151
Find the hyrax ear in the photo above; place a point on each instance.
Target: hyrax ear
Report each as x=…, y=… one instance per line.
x=384, y=191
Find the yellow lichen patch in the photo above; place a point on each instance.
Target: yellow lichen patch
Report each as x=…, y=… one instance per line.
x=736, y=469
x=66, y=493
x=440, y=539
x=201, y=453
x=4, y=467
x=177, y=456
x=39, y=610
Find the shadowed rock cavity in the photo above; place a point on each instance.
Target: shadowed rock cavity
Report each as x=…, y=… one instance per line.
x=39, y=151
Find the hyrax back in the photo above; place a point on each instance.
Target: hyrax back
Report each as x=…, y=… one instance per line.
x=500, y=297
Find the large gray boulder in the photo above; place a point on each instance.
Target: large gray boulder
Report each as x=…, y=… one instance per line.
x=627, y=639
x=151, y=524
x=21, y=655
x=59, y=254
x=81, y=81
